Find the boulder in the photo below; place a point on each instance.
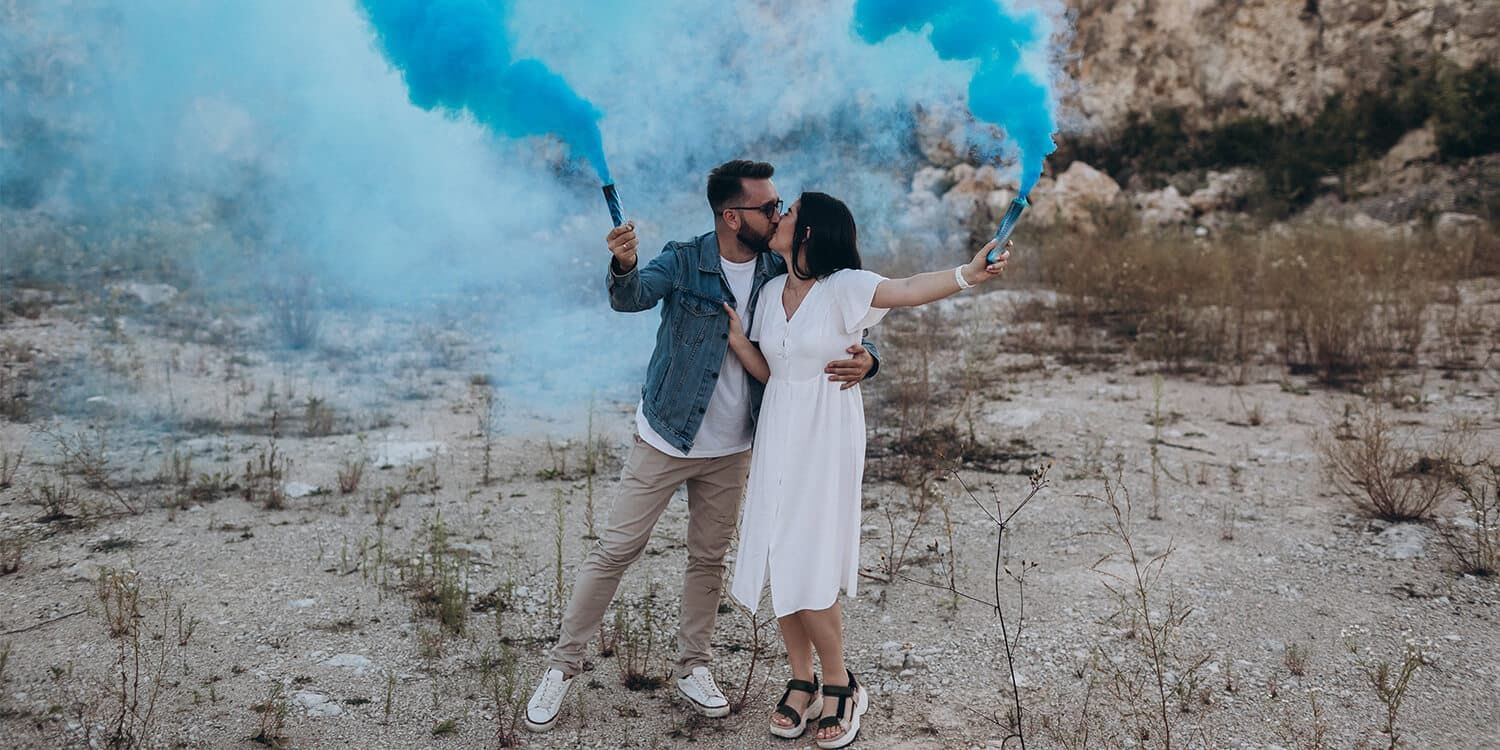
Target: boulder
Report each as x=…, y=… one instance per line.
x=1452, y=226
x=933, y=180
x=940, y=135
x=1223, y=190
x=1165, y=207
x=1071, y=200
x=1403, y=541
x=149, y=295
x=1416, y=146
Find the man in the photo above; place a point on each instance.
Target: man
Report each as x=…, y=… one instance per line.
x=695, y=423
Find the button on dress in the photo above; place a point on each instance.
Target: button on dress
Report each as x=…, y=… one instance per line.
x=799, y=525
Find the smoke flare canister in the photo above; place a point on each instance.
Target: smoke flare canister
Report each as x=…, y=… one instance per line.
x=1007, y=225
x=612, y=197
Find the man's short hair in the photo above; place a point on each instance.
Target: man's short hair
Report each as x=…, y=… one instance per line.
x=725, y=182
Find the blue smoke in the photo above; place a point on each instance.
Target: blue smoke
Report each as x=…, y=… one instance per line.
x=455, y=56
x=239, y=143
x=1002, y=91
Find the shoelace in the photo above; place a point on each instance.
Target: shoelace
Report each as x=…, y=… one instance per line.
x=552, y=692
x=706, y=684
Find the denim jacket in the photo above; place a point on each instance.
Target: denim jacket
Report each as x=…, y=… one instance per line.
x=688, y=278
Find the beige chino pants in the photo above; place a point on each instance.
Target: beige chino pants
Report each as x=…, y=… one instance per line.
x=650, y=477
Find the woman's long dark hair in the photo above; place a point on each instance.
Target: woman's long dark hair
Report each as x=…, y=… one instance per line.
x=832, y=244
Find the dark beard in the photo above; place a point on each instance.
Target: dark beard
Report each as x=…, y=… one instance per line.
x=758, y=243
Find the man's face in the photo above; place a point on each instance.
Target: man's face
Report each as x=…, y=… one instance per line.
x=758, y=223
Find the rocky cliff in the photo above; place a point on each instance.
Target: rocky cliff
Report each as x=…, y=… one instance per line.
x=1218, y=60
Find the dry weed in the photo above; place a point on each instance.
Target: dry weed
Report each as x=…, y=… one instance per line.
x=1474, y=539
x=1375, y=464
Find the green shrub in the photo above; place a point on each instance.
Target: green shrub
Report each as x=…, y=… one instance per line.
x=1296, y=154
x=1466, y=112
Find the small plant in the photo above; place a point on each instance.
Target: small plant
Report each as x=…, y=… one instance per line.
x=437, y=580
x=1013, y=723
x=4, y=662
x=590, y=467
x=88, y=456
x=1156, y=423
x=636, y=630
x=558, y=456
x=119, y=594
x=445, y=727
x=559, y=586
x=1295, y=657
x=317, y=417
x=501, y=679
x=60, y=503
x=918, y=479
x=351, y=471
x=390, y=695
x=10, y=463
x=485, y=413
x=1475, y=539
x=272, y=722
x=1155, y=672
x=1390, y=682
x=262, y=483
x=758, y=643
x=210, y=486
x=1374, y=464
x=294, y=315
x=11, y=549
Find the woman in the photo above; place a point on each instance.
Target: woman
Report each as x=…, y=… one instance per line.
x=800, y=522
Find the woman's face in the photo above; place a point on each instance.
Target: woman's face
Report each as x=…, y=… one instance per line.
x=781, y=241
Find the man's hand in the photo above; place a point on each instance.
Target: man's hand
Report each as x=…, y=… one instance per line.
x=622, y=244
x=852, y=370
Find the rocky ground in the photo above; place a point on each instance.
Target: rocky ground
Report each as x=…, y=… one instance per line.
x=414, y=610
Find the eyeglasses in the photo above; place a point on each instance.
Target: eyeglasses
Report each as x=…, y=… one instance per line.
x=770, y=210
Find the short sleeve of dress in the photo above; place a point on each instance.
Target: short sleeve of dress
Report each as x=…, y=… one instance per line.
x=854, y=290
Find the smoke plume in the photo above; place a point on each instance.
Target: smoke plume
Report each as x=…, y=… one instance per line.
x=455, y=55
x=1003, y=90
x=238, y=143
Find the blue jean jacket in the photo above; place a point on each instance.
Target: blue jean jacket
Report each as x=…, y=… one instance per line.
x=688, y=278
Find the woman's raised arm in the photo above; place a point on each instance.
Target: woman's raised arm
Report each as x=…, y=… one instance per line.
x=935, y=285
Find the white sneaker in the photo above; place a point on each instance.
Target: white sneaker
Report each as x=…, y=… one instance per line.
x=700, y=690
x=546, y=702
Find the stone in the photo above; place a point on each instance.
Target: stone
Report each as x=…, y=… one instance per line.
x=316, y=704
x=1452, y=226
x=302, y=603
x=1223, y=190
x=892, y=656
x=401, y=453
x=1402, y=541
x=1165, y=207
x=301, y=489
x=149, y=295
x=1072, y=200
x=81, y=572
x=1416, y=146
x=359, y=664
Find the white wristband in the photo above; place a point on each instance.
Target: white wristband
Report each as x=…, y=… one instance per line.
x=963, y=283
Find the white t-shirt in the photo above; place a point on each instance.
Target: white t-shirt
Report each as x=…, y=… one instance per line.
x=726, y=427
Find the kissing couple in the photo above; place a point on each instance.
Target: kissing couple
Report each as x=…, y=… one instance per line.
x=752, y=391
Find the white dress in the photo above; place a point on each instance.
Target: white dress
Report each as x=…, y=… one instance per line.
x=800, y=521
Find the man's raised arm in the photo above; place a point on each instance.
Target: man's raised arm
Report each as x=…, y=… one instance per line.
x=631, y=287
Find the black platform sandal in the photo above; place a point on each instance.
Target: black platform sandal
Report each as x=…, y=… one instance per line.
x=801, y=719
x=852, y=693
